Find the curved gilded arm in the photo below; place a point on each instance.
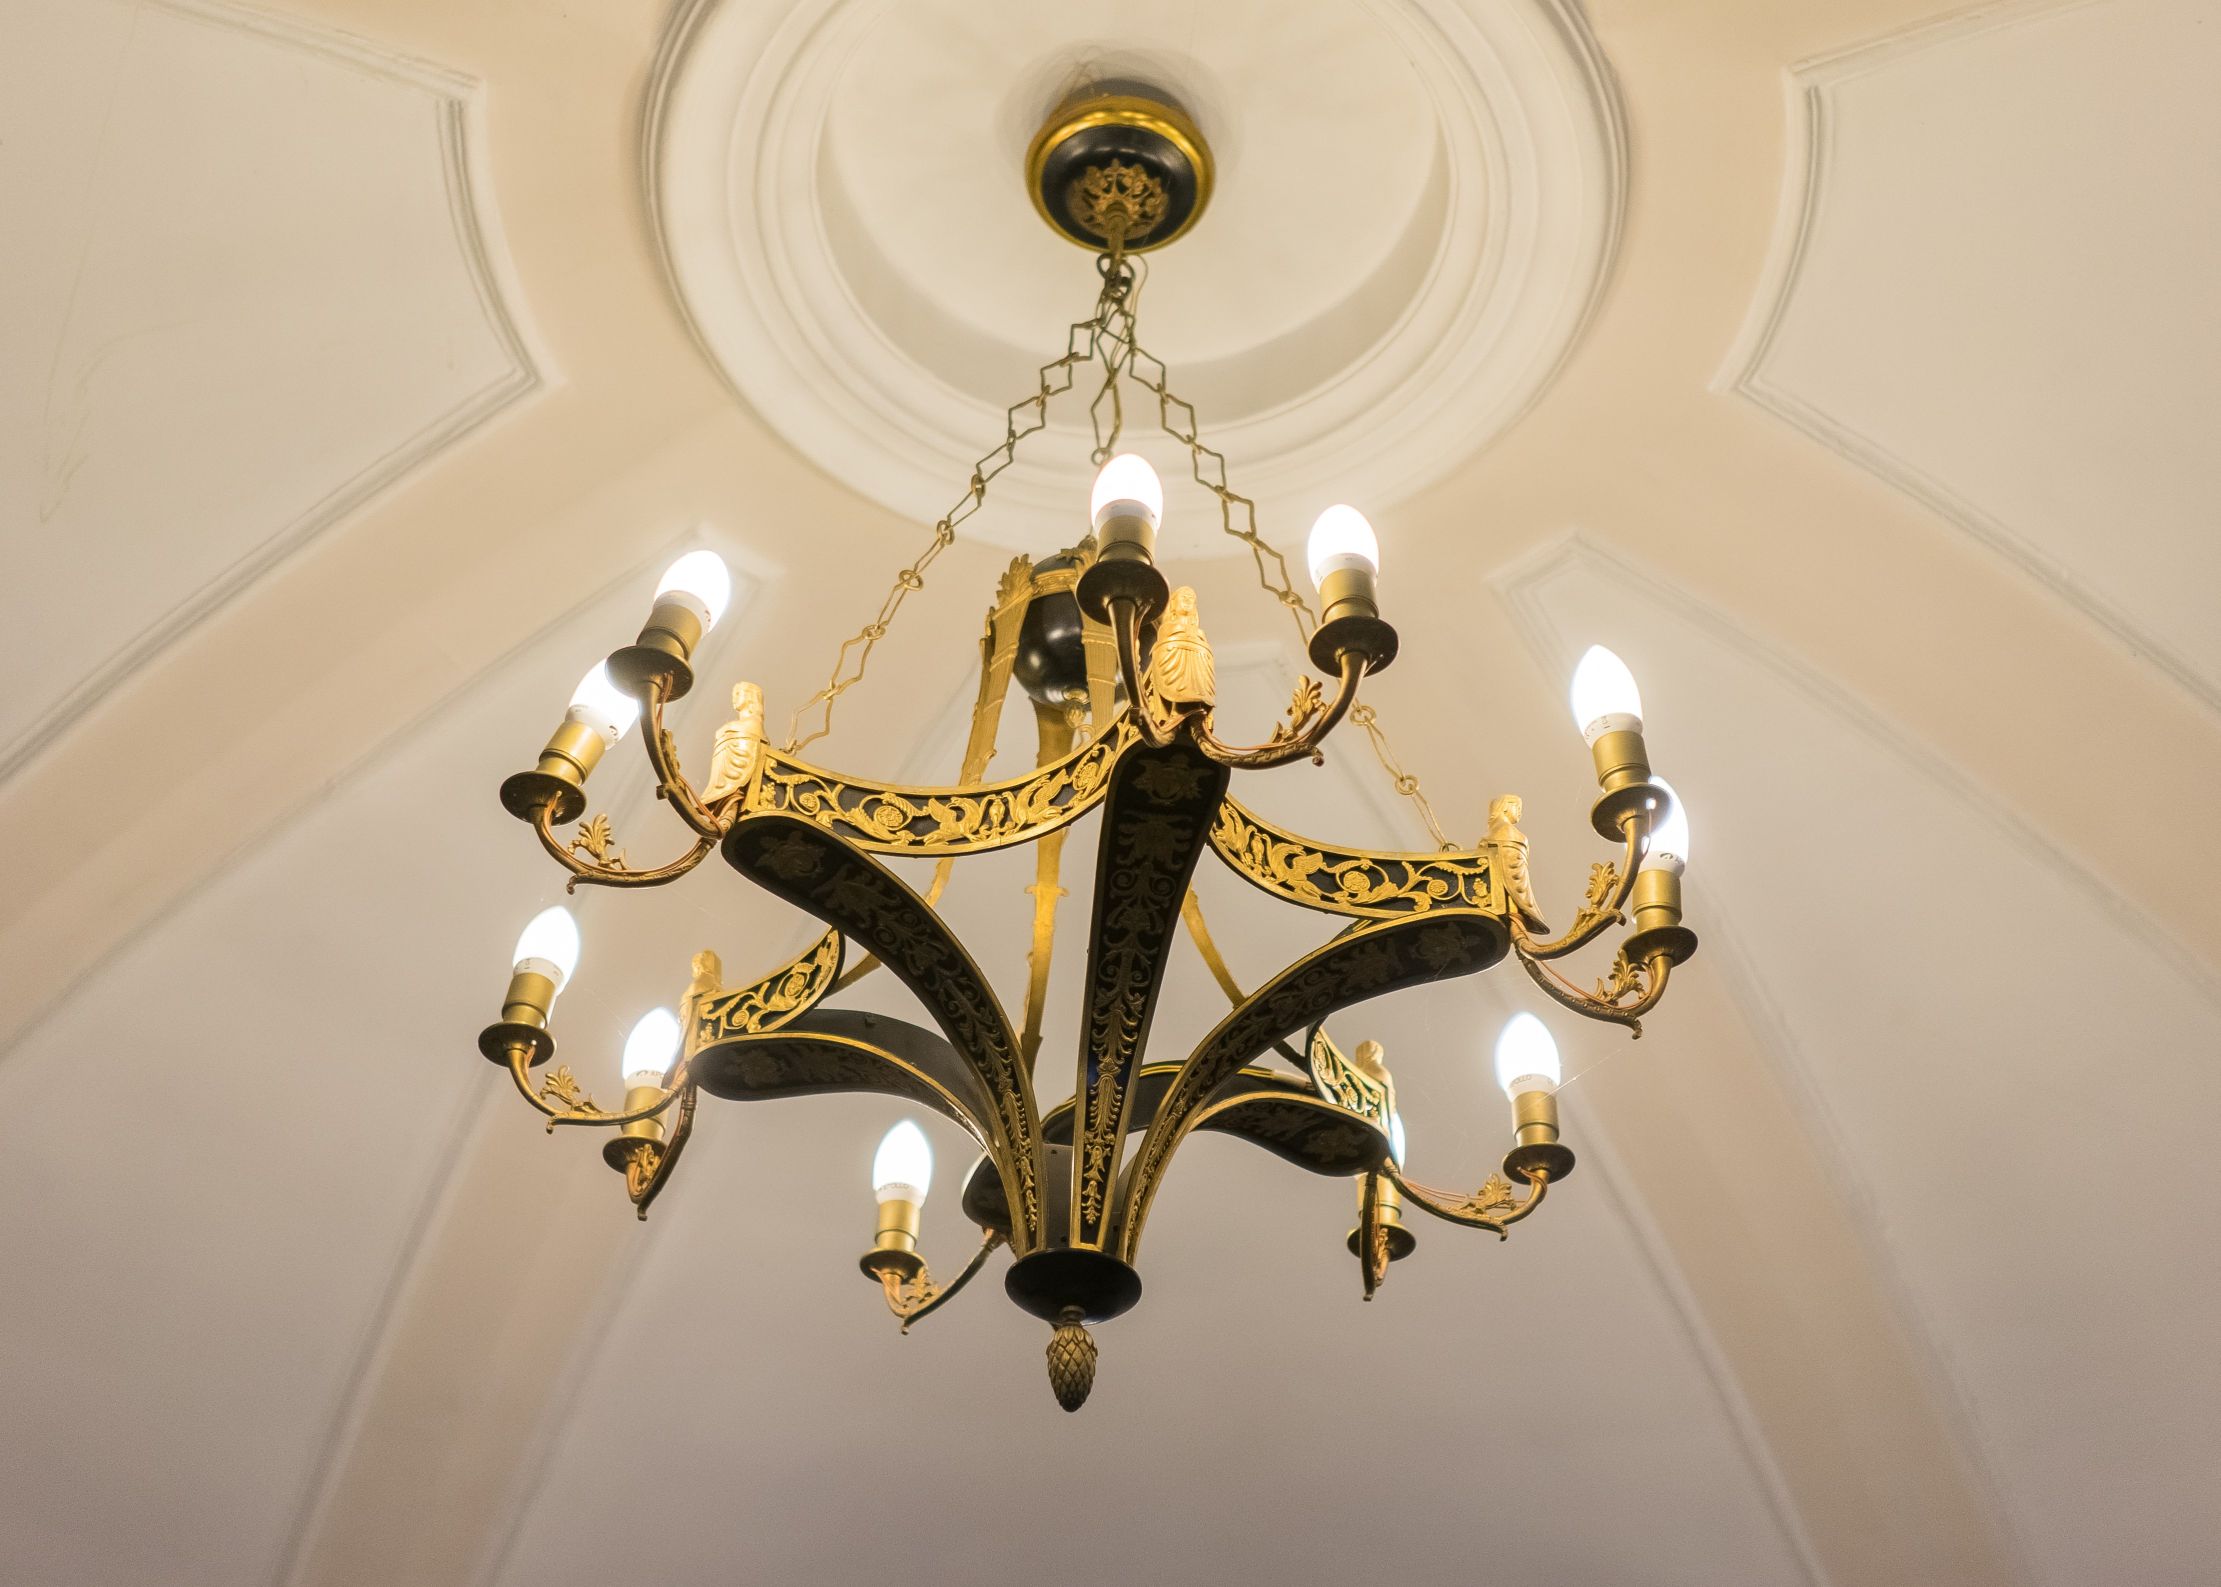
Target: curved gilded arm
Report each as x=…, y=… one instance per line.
x=1490, y=1207
x=919, y=1298
x=663, y=755
x=1300, y=746
x=1646, y=984
x=1126, y=636
x=1609, y=886
x=612, y=876
x=520, y=1060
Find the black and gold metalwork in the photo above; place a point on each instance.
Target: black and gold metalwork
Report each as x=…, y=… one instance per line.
x=1121, y=680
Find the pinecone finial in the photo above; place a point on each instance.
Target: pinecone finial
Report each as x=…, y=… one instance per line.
x=1071, y=1360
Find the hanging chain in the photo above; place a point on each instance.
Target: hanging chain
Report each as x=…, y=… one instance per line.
x=1021, y=419
x=1238, y=518
x=1108, y=337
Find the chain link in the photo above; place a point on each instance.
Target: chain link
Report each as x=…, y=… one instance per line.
x=1109, y=337
x=1022, y=419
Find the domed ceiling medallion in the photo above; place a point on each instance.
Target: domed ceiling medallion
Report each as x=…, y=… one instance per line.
x=1390, y=243
x=1123, y=165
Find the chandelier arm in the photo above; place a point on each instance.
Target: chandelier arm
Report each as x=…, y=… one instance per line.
x=1604, y=907
x=519, y=1064
x=1126, y=635
x=1156, y=821
x=819, y=871
x=1358, y=964
x=1654, y=971
x=608, y=876
x=671, y=783
x=926, y=1299
x=1303, y=745
x=1491, y=1207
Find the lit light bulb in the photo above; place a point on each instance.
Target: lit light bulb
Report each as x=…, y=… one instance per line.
x=598, y=703
x=1341, y=538
x=1396, y=1138
x=654, y=1042
x=902, y=1168
x=699, y=582
x=1526, y=1057
x=548, y=946
x=1605, y=699
x=1668, y=849
x=1127, y=482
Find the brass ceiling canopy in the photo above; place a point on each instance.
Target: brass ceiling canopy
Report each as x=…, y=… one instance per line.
x=1122, y=685
x=1119, y=170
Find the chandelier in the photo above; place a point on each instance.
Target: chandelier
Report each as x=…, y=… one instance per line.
x=1120, y=676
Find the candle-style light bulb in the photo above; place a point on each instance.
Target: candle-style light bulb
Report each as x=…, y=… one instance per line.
x=1396, y=1138
x=902, y=1168
x=1126, y=487
x=1605, y=698
x=1526, y=1057
x=700, y=582
x=1341, y=537
x=1668, y=849
x=598, y=703
x=654, y=1042
x=548, y=946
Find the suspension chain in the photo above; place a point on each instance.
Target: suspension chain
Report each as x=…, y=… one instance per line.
x=1022, y=419
x=1107, y=337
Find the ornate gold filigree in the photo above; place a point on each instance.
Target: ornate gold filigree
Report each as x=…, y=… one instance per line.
x=1348, y=1084
x=561, y=1089
x=1303, y=710
x=889, y=819
x=1510, y=845
x=1119, y=200
x=716, y=1015
x=1349, y=881
x=1495, y=1195
x=598, y=843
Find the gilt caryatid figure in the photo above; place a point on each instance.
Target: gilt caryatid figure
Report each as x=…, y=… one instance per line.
x=738, y=745
x=1180, y=668
x=1511, y=859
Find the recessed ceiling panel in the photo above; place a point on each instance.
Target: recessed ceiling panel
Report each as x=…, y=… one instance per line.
x=244, y=292
x=1998, y=291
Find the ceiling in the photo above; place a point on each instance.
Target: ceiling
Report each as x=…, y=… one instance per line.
x=1843, y=365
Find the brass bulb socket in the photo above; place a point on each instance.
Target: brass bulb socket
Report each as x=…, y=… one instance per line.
x=573, y=751
x=650, y=1129
x=1655, y=898
x=1622, y=761
x=894, y=1248
x=1389, y=1205
x=1124, y=536
x=528, y=999
x=1349, y=591
x=674, y=629
x=1535, y=1117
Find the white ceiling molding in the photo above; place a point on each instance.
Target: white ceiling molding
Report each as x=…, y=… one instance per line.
x=190, y=221
x=2022, y=251
x=1482, y=169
